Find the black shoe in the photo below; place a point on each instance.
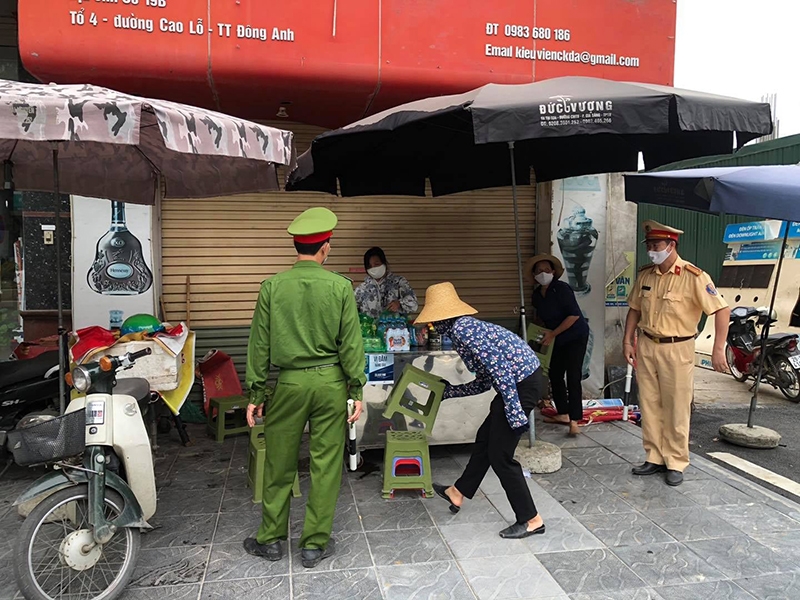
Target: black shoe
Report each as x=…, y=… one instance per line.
x=674, y=478
x=648, y=468
x=272, y=551
x=311, y=557
x=517, y=531
x=441, y=491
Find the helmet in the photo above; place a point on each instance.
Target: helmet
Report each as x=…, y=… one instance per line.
x=141, y=323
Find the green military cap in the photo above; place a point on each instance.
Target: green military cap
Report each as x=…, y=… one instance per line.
x=313, y=225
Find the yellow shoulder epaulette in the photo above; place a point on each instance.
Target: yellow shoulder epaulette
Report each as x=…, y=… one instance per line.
x=694, y=270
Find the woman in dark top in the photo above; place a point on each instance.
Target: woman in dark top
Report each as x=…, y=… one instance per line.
x=557, y=308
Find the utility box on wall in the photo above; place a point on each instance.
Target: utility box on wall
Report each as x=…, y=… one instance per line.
x=39, y=262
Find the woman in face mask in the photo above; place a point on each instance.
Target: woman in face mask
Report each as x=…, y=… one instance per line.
x=557, y=308
x=382, y=290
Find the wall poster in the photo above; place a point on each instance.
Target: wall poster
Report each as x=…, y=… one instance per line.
x=579, y=232
x=112, y=276
x=618, y=291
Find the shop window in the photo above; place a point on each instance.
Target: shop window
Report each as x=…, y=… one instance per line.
x=746, y=276
x=10, y=271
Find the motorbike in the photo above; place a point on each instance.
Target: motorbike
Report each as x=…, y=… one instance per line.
x=81, y=535
x=28, y=390
x=782, y=357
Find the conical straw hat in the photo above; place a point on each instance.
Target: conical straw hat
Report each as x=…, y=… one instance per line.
x=558, y=268
x=441, y=303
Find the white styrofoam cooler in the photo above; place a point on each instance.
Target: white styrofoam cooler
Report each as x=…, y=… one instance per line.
x=161, y=369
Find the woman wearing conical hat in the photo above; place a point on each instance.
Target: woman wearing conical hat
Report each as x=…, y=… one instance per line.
x=503, y=361
x=568, y=331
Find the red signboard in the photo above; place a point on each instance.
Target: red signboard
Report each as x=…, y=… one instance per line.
x=329, y=62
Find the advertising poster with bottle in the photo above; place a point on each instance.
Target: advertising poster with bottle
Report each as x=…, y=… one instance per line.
x=579, y=232
x=112, y=268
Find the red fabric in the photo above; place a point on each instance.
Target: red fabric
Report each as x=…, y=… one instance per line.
x=660, y=234
x=91, y=338
x=597, y=415
x=219, y=375
x=28, y=350
x=314, y=238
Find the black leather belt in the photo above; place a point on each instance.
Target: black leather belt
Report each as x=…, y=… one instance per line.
x=668, y=340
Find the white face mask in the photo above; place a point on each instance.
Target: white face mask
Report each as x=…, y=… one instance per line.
x=377, y=272
x=324, y=260
x=544, y=278
x=659, y=257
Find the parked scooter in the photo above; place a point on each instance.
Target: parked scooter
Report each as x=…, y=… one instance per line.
x=28, y=390
x=81, y=537
x=782, y=359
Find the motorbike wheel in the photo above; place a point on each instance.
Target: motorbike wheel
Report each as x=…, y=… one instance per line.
x=50, y=561
x=737, y=374
x=787, y=379
x=164, y=426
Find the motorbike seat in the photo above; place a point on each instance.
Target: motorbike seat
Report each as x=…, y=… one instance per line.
x=774, y=338
x=16, y=371
x=133, y=386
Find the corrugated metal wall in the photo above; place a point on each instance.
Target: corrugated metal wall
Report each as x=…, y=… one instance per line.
x=227, y=246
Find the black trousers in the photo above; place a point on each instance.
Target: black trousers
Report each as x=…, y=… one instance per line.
x=567, y=359
x=494, y=447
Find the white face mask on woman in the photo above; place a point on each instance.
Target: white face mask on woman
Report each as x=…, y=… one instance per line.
x=544, y=278
x=377, y=272
x=659, y=257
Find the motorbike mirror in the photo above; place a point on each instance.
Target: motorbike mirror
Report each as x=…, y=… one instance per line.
x=106, y=364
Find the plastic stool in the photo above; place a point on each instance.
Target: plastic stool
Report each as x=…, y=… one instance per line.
x=255, y=465
x=401, y=403
x=409, y=445
x=415, y=461
x=224, y=425
x=407, y=466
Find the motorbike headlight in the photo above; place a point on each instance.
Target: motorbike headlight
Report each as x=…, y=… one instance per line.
x=81, y=379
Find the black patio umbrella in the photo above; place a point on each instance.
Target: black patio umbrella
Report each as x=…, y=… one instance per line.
x=561, y=128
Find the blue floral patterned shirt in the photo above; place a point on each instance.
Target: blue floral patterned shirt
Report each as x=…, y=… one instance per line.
x=499, y=358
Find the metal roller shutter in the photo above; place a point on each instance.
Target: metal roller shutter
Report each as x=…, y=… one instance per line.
x=228, y=246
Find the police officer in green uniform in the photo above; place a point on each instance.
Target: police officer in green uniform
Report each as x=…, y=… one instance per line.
x=306, y=324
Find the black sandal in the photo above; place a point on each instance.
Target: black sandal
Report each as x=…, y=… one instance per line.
x=441, y=491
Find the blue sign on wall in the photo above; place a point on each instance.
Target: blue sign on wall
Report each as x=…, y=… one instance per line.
x=759, y=231
x=759, y=251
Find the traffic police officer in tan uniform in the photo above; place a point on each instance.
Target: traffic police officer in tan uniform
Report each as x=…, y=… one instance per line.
x=666, y=304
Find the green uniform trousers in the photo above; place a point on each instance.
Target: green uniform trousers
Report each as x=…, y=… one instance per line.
x=317, y=396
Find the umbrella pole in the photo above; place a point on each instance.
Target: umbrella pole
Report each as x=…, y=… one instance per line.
x=765, y=330
x=62, y=350
x=523, y=320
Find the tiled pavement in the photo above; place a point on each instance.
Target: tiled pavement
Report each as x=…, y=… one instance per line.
x=610, y=536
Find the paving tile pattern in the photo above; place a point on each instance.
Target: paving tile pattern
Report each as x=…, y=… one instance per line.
x=610, y=535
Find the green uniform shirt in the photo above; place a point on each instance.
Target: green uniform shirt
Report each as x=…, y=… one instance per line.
x=305, y=317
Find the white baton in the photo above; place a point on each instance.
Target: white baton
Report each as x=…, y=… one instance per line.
x=352, y=451
x=628, y=379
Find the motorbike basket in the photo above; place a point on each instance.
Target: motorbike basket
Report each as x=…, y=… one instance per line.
x=49, y=441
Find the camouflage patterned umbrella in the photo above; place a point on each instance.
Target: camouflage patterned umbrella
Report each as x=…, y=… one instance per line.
x=112, y=145
x=92, y=141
